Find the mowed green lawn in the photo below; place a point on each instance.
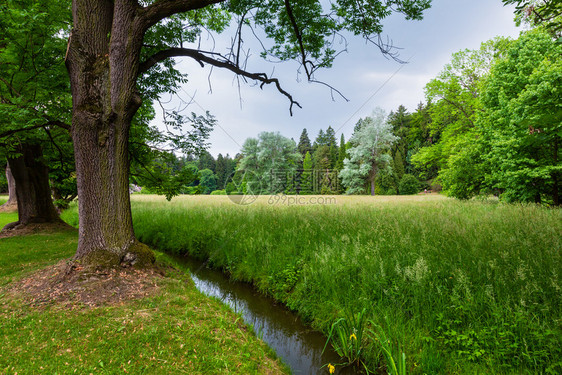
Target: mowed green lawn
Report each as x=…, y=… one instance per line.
x=175, y=331
x=459, y=287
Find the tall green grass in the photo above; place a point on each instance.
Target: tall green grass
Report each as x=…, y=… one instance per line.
x=460, y=287
x=6, y=218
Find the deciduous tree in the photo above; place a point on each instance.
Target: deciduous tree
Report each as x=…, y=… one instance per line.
x=522, y=121
x=113, y=43
x=368, y=153
x=455, y=94
x=12, y=202
x=34, y=99
x=547, y=13
x=269, y=162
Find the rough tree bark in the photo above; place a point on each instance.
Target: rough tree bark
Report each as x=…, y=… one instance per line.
x=33, y=193
x=103, y=62
x=11, y=203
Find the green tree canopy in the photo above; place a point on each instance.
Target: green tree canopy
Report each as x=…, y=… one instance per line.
x=368, y=153
x=455, y=94
x=269, y=162
x=547, y=13
x=522, y=121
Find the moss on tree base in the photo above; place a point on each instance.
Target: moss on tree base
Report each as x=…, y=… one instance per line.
x=137, y=255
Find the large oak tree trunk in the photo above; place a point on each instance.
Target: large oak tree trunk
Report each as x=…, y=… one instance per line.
x=11, y=203
x=33, y=193
x=103, y=64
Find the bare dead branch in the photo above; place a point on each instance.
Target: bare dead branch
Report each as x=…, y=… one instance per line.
x=332, y=89
x=203, y=58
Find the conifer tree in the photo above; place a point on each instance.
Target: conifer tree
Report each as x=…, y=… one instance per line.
x=341, y=153
x=304, y=143
x=330, y=137
x=319, y=141
x=307, y=174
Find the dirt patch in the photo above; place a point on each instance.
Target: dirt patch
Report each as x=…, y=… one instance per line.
x=74, y=287
x=9, y=208
x=36, y=228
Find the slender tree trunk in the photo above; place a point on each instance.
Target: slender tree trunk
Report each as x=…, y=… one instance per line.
x=372, y=179
x=33, y=193
x=103, y=64
x=12, y=201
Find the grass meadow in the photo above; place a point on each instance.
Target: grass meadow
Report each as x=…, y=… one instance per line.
x=176, y=331
x=459, y=287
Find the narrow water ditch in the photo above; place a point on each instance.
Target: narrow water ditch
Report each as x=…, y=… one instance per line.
x=298, y=345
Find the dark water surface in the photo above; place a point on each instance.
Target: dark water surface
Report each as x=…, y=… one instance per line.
x=298, y=345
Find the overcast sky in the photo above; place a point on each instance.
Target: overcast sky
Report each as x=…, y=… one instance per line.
x=362, y=74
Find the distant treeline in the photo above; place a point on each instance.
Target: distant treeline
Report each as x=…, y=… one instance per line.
x=491, y=124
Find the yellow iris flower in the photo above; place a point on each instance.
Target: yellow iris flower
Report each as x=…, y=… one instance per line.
x=331, y=368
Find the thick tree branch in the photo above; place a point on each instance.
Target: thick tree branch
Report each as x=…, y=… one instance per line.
x=161, y=9
x=203, y=58
x=15, y=131
x=298, y=35
x=58, y=123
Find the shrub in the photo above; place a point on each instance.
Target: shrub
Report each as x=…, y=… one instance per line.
x=409, y=184
x=230, y=188
x=218, y=192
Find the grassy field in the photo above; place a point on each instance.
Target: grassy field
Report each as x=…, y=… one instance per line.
x=6, y=218
x=176, y=331
x=459, y=287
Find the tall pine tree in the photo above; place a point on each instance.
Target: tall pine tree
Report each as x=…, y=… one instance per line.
x=333, y=145
x=304, y=143
x=341, y=153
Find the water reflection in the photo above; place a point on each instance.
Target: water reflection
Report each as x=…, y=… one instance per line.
x=298, y=345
